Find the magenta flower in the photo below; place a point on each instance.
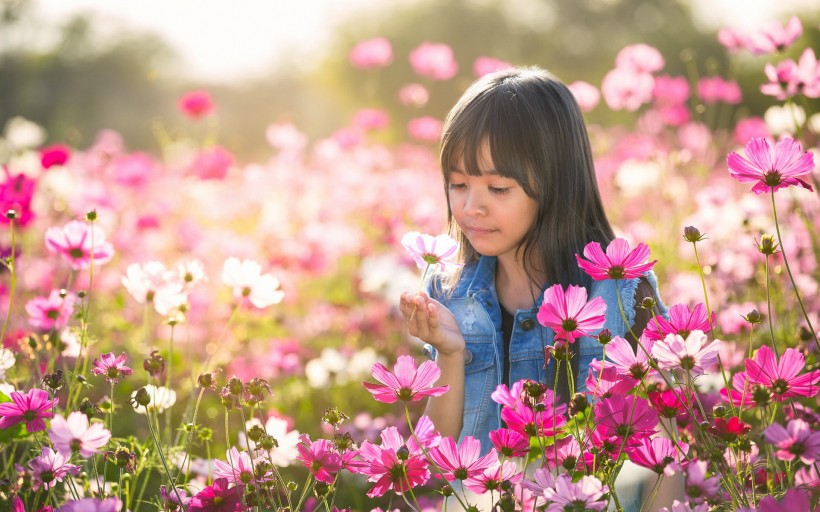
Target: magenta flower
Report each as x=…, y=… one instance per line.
x=509, y=443
x=75, y=434
x=211, y=163
x=434, y=60
x=714, y=89
x=217, y=498
x=569, y=314
x=771, y=168
x=461, y=462
x=431, y=251
x=58, y=154
x=527, y=422
x=51, y=467
x=389, y=470
x=92, y=505
x=371, y=54
x=794, y=500
x=781, y=377
x=113, y=367
x=625, y=416
x=406, y=382
x=320, y=457
x=618, y=262
x=681, y=321
x=248, y=282
x=52, y=312
x=796, y=440
x=491, y=478
x=603, y=384
x=693, y=354
x=32, y=408
x=659, y=454
x=196, y=104
x=508, y=396
x=586, y=494
x=80, y=244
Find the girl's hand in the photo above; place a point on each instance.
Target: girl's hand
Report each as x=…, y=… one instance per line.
x=432, y=323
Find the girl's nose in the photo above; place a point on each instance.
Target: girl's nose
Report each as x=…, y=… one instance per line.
x=475, y=203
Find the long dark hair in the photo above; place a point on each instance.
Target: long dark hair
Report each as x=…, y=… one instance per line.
x=536, y=136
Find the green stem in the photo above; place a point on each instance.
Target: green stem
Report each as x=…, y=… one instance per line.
x=769, y=309
x=12, y=280
x=190, y=436
x=703, y=283
x=162, y=458
x=168, y=413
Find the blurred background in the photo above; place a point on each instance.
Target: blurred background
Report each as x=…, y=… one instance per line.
x=77, y=66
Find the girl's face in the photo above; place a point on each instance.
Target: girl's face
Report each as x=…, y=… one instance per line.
x=494, y=212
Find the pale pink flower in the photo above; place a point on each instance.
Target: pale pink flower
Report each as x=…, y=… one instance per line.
x=618, y=262
x=32, y=408
x=586, y=494
x=808, y=74
x=196, y=104
x=461, y=462
x=733, y=40
x=406, y=382
x=569, y=314
x=693, y=354
x=52, y=312
x=542, y=480
x=239, y=468
x=714, y=89
x=695, y=137
x=486, y=65
x=627, y=89
x=793, y=500
x=134, y=170
x=434, y=60
x=698, y=486
x=428, y=251
x=212, y=163
x=113, y=367
x=76, y=434
x=625, y=360
x=639, y=58
x=775, y=38
x=371, y=54
x=92, y=505
x=80, y=243
x=566, y=454
x=586, y=94
x=50, y=467
x=414, y=95
x=371, y=119
x=425, y=129
x=492, y=477
x=782, y=79
x=508, y=396
x=771, y=168
x=248, y=281
x=682, y=506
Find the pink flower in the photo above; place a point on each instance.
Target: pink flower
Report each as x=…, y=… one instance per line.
x=742, y=392
x=388, y=470
x=461, y=462
x=566, y=454
x=627, y=89
x=670, y=90
x=212, y=163
x=113, y=367
x=406, y=382
x=75, y=434
x=640, y=58
x=371, y=119
x=618, y=262
x=542, y=480
x=509, y=443
x=527, y=422
x=775, y=38
x=625, y=416
x=793, y=500
x=425, y=129
x=16, y=193
x=781, y=377
x=659, y=454
x=732, y=40
x=80, y=243
x=414, y=95
x=217, y=498
x=771, y=168
x=586, y=94
x=439, y=251
x=492, y=477
x=196, y=104
x=671, y=403
x=681, y=321
x=320, y=457
x=782, y=79
x=32, y=408
x=58, y=154
x=133, y=170
x=508, y=396
x=371, y=54
x=808, y=74
x=609, y=382
x=486, y=65
x=796, y=440
x=52, y=312
x=586, y=494
x=239, y=469
x=248, y=281
x=698, y=487
x=51, y=467
x=92, y=505
x=434, y=60
x=750, y=127
x=628, y=362
x=569, y=314
x=692, y=354
x=715, y=89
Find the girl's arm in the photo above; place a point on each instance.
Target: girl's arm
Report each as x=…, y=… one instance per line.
x=431, y=322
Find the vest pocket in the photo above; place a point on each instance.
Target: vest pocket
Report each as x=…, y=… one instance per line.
x=479, y=382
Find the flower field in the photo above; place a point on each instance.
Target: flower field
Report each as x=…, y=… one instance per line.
x=189, y=331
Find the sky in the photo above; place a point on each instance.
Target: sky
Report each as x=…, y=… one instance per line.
x=225, y=40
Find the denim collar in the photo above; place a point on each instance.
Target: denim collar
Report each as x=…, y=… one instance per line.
x=479, y=277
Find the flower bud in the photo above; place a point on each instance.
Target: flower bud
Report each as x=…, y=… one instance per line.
x=235, y=386
x=155, y=364
x=719, y=411
x=648, y=303
x=579, y=403
x=268, y=442
x=540, y=407
x=692, y=234
x=205, y=434
x=208, y=380
x=11, y=214
x=89, y=408
x=767, y=245
x=142, y=397
x=54, y=381
x=334, y=417
x=446, y=490
x=292, y=486
x=403, y=453
x=605, y=336
x=343, y=442
x=255, y=433
x=81, y=294
x=754, y=317
x=91, y=216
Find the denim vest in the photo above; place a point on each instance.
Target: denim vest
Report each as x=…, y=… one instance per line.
x=474, y=303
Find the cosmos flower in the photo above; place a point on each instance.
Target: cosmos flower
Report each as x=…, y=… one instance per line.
x=32, y=408
x=569, y=314
x=618, y=262
x=771, y=168
x=76, y=434
x=80, y=243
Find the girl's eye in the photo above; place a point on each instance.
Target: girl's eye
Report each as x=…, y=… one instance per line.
x=499, y=190
x=456, y=186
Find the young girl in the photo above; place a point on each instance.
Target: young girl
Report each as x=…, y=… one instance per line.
x=522, y=200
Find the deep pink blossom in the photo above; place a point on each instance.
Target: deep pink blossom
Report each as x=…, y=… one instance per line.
x=212, y=163
x=618, y=262
x=671, y=403
x=57, y=154
x=320, y=457
x=461, y=462
x=217, y=497
x=793, y=500
x=371, y=54
x=682, y=321
x=782, y=79
x=406, y=382
x=387, y=470
x=52, y=312
x=371, y=119
x=565, y=454
x=92, y=505
x=113, y=367
x=693, y=354
x=80, y=243
x=425, y=129
x=16, y=193
x=587, y=95
x=527, y=422
x=742, y=392
x=771, y=168
x=76, y=434
x=607, y=382
x=569, y=313
x=196, y=104
x=434, y=60
x=660, y=454
x=510, y=443
x=493, y=476
x=670, y=90
x=51, y=467
x=32, y=408
x=625, y=416
x=782, y=377
x=486, y=65
x=625, y=89
x=586, y=494
x=797, y=440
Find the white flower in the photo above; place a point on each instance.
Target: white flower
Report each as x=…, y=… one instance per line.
x=152, y=282
x=161, y=398
x=24, y=134
x=284, y=454
x=781, y=120
x=6, y=361
x=191, y=272
x=247, y=280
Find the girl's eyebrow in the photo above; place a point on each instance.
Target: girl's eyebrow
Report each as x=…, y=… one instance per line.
x=488, y=172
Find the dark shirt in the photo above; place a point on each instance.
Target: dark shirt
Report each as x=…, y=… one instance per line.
x=507, y=322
